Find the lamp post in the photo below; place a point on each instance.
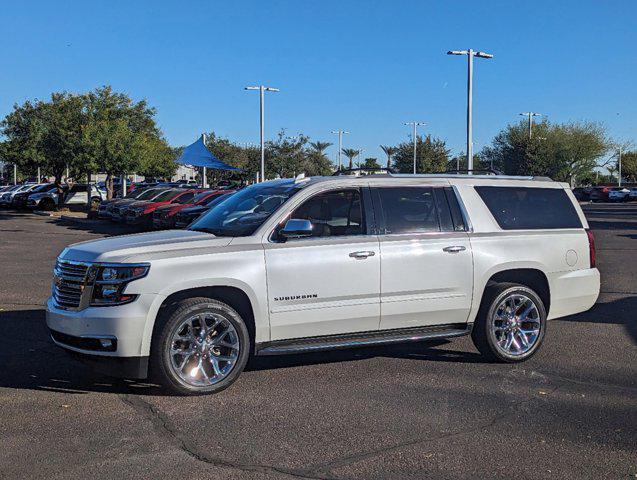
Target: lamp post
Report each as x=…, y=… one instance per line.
x=415, y=124
x=619, y=167
x=340, y=144
x=470, y=54
x=262, y=89
x=530, y=115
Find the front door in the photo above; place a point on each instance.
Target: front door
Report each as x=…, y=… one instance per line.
x=426, y=259
x=328, y=283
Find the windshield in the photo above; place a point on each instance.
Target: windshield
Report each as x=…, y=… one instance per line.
x=167, y=195
x=42, y=188
x=241, y=213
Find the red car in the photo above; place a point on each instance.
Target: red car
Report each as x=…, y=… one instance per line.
x=166, y=215
x=141, y=213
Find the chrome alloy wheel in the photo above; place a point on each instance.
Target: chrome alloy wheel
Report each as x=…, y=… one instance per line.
x=204, y=349
x=516, y=324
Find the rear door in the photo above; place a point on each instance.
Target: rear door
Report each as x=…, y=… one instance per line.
x=426, y=259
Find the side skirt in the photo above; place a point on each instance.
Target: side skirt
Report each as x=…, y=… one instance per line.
x=361, y=339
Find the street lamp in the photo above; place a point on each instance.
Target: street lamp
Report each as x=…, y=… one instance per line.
x=414, y=124
x=530, y=115
x=470, y=54
x=262, y=89
x=340, y=144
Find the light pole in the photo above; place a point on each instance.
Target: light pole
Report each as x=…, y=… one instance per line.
x=530, y=115
x=15, y=174
x=470, y=54
x=414, y=124
x=619, y=167
x=340, y=144
x=262, y=89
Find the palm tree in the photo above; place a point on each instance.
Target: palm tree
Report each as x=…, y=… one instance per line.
x=351, y=154
x=389, y=151
x=320, y=147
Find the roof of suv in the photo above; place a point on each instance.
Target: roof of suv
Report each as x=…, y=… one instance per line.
x=451, y=177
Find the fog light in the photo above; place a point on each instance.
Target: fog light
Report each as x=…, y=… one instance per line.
x=106, y=343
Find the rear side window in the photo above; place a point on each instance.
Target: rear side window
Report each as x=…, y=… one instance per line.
x=409, y=210
x=524, y=208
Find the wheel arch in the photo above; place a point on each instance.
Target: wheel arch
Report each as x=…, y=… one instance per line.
x=239, y=297
x=534, y=278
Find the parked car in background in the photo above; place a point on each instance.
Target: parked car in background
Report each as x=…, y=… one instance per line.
x=6, y=198
x=102, y=211
x=141, y=213
x=116, y=211
x=166, y=216
x=582, y=194
x=632, y=196
x=20, y=199
x=77, y=194
x=189, y=214
x=618, y=194
x=599, y=194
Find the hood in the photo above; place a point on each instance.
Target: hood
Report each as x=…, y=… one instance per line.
x=144, y=247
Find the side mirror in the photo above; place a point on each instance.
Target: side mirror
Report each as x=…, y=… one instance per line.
x=295, y=228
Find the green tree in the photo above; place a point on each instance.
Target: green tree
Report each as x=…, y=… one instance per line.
x=285, y=156
x=351, y=154
x=629, y=166
x=563, y=152
x=389, y=151
x=432, y=156
x=371, y=163
x=46, y=135
x=120, y=135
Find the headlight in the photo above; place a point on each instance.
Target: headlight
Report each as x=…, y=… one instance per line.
x=110, y=282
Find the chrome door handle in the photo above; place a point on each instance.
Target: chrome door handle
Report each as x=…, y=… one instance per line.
x=454, y=249
x=363, y=254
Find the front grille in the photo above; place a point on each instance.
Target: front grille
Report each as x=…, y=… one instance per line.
x=69, y=282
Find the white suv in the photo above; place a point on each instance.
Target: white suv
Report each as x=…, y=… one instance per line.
x=291, y=266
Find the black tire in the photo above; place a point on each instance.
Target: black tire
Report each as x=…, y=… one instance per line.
x=47, y=204
x=483, y=335
x=161, y=369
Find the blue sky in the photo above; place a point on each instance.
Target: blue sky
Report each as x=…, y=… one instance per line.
x=362, y=66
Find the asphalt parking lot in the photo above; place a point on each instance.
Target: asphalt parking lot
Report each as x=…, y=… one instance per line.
x=429, y=410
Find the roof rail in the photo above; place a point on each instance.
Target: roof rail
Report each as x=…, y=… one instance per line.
x=488, y=171
x=347, y=171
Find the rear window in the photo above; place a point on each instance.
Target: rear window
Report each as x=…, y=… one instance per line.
x=523, y=208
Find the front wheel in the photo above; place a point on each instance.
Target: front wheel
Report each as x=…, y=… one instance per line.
x=511, y=323
x=199, y=346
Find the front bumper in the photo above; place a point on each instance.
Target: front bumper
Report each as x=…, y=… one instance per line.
x=80, y=332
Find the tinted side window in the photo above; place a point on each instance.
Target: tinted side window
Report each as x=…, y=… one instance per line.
x=78, y=188
x=456, y=213
x=334, y=213
x=523, y=208
x=185, y=198
x=409, y=209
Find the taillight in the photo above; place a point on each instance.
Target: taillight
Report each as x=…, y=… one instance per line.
x=591, y=248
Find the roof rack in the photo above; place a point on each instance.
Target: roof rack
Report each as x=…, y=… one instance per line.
x=348, y=171
x=488, y=171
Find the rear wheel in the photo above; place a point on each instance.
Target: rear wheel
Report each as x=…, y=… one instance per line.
x=511, y=323
x=200, y=346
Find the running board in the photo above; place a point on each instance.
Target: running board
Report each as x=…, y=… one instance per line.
x=361, y=339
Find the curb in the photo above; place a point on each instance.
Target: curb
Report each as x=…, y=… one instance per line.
x=42, y=213
x=68, y=218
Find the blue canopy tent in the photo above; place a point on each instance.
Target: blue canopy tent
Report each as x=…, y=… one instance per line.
x=197, y=155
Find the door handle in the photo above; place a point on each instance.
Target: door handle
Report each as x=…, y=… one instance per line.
x=454, y=249
x=362, y=255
